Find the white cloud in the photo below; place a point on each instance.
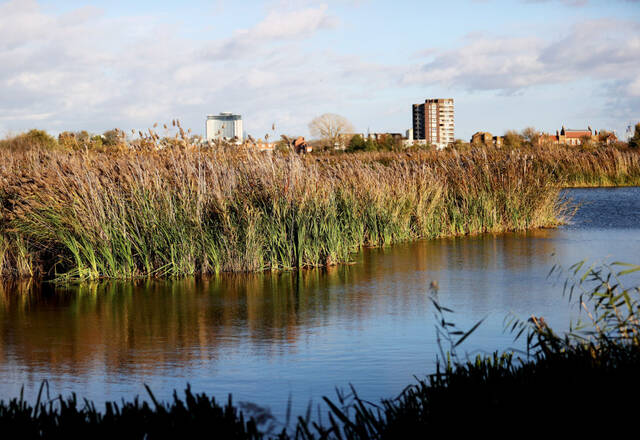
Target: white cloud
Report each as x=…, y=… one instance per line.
x=276, y=26
x=87, y=70
x=634, y=87
x=600, y=50
x=293, y=24
x=19, y=20
x=604, y=54
x=84, y=70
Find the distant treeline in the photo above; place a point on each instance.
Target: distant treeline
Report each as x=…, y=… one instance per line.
x=117, y=140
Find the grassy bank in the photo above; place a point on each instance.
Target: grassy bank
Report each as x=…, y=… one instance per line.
x=182, y=211
x=579, y=382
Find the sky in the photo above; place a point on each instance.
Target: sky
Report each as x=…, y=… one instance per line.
x=96, y=65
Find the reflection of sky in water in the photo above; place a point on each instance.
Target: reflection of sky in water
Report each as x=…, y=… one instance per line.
x=263, y=337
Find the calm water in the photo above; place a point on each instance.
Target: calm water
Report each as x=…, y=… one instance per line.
x=265, y=337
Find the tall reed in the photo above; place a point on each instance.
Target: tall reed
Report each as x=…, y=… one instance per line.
x=568, y=166
x=601, y=167
x=86, y=215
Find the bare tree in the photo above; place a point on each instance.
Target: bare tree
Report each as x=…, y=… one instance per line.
x=330, y=128
x=530, y=135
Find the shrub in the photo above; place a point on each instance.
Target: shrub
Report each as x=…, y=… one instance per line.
x=32, y=139
x=634, y=142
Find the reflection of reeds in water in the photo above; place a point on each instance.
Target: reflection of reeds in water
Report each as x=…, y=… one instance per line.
x=145, y=325
x=180, y=212
x=157, y=323
x=551, y=385
x=142, y=326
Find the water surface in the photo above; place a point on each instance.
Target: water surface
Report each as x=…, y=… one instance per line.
x=264, y=337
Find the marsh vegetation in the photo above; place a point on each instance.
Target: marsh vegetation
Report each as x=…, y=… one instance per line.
x=90, y=207
x=185, y=211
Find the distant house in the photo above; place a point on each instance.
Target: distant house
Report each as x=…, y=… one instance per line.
x=301, y=146
x=609, y=139
x=567, y=136
x=485, y=138
x=547, y=139
x=481, y=138
x=385, y=138
x=264, y=145
x=574, y=137
x=259, y=145
x=379, y=137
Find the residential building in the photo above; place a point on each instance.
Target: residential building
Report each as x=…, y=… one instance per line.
x=409, y=134
x=547, y=139
x=301, y=146
x=484, y=138
x=381, y=137
x=481, y=138
x=433, y=121
x=609, y=138
x=566, y=136
x=575, y=137
x=259, y=145
x=225, y=126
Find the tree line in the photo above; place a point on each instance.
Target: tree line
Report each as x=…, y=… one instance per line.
x=331, y=132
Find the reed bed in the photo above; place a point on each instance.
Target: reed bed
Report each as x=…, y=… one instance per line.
x=597, y=168
x=569, y=167
x=185, y=211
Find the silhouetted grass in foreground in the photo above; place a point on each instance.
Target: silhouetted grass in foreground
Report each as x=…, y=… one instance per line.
x=579, y=382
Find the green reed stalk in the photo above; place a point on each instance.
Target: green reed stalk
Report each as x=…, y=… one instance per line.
x=88, y=215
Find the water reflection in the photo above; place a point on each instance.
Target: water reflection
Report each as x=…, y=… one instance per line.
x=263, y=336
x=143, y=325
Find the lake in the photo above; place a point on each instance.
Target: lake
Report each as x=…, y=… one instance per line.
x=265, y=337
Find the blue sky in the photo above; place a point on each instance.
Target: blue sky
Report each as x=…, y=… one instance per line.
x=96, y=65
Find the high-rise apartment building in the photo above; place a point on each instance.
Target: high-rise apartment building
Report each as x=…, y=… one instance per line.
x=225, y=126
x=433, y=122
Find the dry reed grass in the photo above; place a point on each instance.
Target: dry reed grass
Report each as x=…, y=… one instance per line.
x=187, y=211
x=570, y=167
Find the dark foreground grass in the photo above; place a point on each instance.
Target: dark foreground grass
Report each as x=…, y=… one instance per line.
x=583, y=382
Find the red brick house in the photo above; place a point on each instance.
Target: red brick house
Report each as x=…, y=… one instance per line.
x=575, y=137
x=570, y=137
